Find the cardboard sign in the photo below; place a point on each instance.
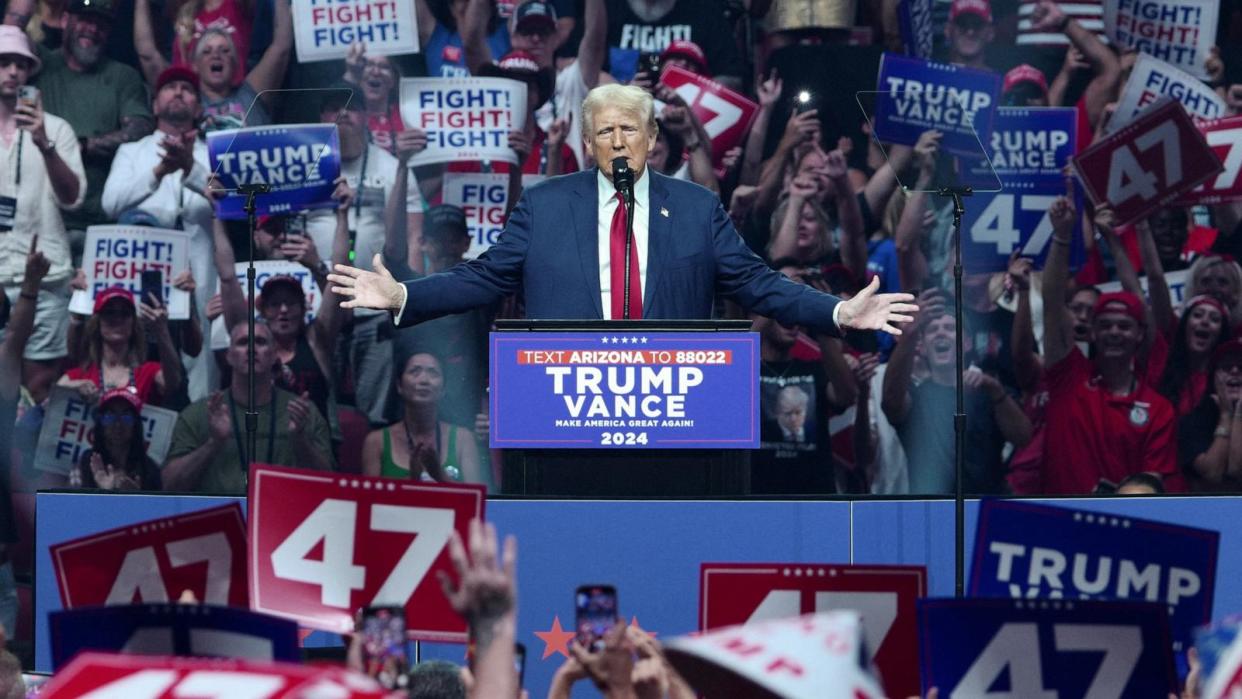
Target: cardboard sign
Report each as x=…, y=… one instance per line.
x=1180, y=32
x=1176, y=281
x=174, y=629
x=325, y=29
x=1024, y=550
x=817, y=656
x=482, y=197
x=383, y=541
x=917, y=96
x=1070, y=649
x=117, y=256
x=1028, y=150
x=464, y=118
x=264, y=270
x=103, y=676
x=654, y=390
x=748, y=593
x=156, y=561
x=1152, y=81
x=726, y=115
x=1224, y=137
x=1220, y=653
x=1147, y=164
x=300, y=163
x=914, y=20
x=69, y=425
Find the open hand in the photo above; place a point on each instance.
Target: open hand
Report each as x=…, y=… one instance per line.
x=219, y=417
x=363, y=289
x=871, y=311
x=1048, y=17
x=486, y=587
x=299, y=413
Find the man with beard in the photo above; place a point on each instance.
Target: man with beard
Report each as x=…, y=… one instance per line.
x=163, y=176
x=1103, y=421
x=42, y=177
x=103, y=100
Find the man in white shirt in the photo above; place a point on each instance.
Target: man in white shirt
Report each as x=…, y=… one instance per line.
x=164, y=175
x=41, y=174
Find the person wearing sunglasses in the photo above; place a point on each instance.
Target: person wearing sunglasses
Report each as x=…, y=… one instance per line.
x=117, y=459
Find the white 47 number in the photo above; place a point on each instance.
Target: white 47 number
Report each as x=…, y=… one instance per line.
x=1012, y=648
x=1126, y=178
x=1233, y=158
x=141, y=573
x=337, y=576
x=878, y=610
x=995, y=224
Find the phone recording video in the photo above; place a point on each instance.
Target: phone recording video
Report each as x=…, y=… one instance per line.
x=649, y=63
x=384, y=647
x=804, y=101
x=152, y=286
x=595, y=612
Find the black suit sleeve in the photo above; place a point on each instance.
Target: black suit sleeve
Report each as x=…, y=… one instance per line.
x=742, y=276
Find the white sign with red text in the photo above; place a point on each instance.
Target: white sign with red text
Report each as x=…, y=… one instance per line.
x=1181, y=32
x=69, y=425
x=726, y=115
x=324, y=545
x=464, y=118
x=155, y=561
x=1153, y=80
x=106, y=676
x=118, y=255
x=264, y=270
x=483, y=197
x=817, y=656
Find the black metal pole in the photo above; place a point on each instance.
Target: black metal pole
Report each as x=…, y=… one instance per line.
x=252, y=415
x=959, y=416
x=629, y=247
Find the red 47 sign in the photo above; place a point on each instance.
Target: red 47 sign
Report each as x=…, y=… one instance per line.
x=885, y=596
x=1148, y=163
x=1224, y=136
x=324, y=545
x=104, y=676
x=156, y=561
x=726, y=115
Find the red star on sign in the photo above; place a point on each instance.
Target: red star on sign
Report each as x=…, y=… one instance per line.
x=555, y=640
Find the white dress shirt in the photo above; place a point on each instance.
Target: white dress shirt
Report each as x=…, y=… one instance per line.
x=607, y=207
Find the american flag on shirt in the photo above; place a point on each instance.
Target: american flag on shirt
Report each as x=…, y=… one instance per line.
x=1089, y=13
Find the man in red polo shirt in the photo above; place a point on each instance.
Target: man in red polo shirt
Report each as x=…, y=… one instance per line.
x=1104, y=422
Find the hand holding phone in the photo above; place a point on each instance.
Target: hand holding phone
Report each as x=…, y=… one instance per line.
x=595, y=612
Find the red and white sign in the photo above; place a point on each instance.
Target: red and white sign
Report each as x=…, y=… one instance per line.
x=1226, y=680
x=816, y=656
x=105, y=676
x=726, y=115
x=1148, y=163
x=156, y=561
x=1224, y=137
x=747, y=593
x=324, y=545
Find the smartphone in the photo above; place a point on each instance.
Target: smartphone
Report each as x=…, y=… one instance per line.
x=595, y=612
x=152, y=285
x=519, y=662
x=384, y=646
x=804, y=101
x=649, y=63
x=28, y=94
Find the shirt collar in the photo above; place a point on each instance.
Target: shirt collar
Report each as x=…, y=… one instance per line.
x=607, y=191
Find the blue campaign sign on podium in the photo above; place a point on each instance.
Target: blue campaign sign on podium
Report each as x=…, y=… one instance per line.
x=1045, y=648
x=1024, y=550
x=625, y=389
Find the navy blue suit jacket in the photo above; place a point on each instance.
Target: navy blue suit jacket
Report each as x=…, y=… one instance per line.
x=549, y=249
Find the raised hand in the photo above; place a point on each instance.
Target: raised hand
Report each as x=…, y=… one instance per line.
x=37, y=266
x=835, y=166
x=355, y=62
x=871, y=311
x=520, y=145
x=410, y=143
x=1019, y=272
x=153, y=315
x=108, y=477
x=558, y=132
x=1105, y=220
x=215, y=307
x=363, y=289
x=185, y=282
x=1062, y=215
x=800, y=128
x=29, y=117
x=611, y=668
x=219, y=417
x=1048, y=17
x=769, y=91
x=299, y=413
x=300, y=249
x=486, y=587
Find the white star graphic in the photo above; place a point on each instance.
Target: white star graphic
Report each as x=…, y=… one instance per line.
x=644, y=340
x=625, y=340
x=614, y=339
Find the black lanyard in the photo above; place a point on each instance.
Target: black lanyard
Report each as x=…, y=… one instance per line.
x=271, y=431
x=17, y=167
x=362, y=178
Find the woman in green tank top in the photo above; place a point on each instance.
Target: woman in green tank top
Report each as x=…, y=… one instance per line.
x=421, y=445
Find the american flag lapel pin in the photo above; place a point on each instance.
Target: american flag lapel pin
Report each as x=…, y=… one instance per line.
x=664, y=212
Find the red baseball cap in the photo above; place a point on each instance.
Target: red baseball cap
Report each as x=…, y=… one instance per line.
x=278, y=280
x=687, y=50
x=175, y=73
x=1025, y=74
x=980, y=8
x=1226, y=349
x=129, y=394
x=114, y=292
x=1122, y=302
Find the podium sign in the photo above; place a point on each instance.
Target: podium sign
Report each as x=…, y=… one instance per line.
x=629, y=390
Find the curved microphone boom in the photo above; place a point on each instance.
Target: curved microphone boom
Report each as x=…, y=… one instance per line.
x=623, y=180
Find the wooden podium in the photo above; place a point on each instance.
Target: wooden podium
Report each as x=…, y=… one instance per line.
x=626, y=472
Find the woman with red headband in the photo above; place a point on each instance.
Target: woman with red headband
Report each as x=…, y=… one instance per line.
x=1204, y=326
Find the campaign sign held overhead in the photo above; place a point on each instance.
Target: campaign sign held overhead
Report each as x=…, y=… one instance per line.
x=1152, y=80
x=1224, y=137
x=300, y=163
x=116, y=256
x=1028, y=149
x=1024, y=550
x=1067, y=649
x=726, y=115
x=1180, y=32
x=325, y=29
x=917, y=96
x=173, y=629
x=638, y=390
x=464, y=118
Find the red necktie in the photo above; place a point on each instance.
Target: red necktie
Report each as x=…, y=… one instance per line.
x=616, y=261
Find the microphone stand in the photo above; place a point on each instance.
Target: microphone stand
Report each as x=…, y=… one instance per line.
x=252, y=416
x=628, y=194
x=959, y=417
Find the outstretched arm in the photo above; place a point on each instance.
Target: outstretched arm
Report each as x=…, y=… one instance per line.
x=1058, y=333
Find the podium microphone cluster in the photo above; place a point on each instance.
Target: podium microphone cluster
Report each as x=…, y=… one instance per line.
x=623, y=180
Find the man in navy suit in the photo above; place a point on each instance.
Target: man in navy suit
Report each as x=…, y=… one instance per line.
x=564, y=248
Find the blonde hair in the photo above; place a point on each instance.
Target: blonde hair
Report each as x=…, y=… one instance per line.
x=824, y=246
x=1205, y=262
x=627, y=98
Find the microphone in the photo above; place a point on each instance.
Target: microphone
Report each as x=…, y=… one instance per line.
x=623, y=177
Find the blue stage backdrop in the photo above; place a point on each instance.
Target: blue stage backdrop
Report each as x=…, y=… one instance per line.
x=651, y=551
